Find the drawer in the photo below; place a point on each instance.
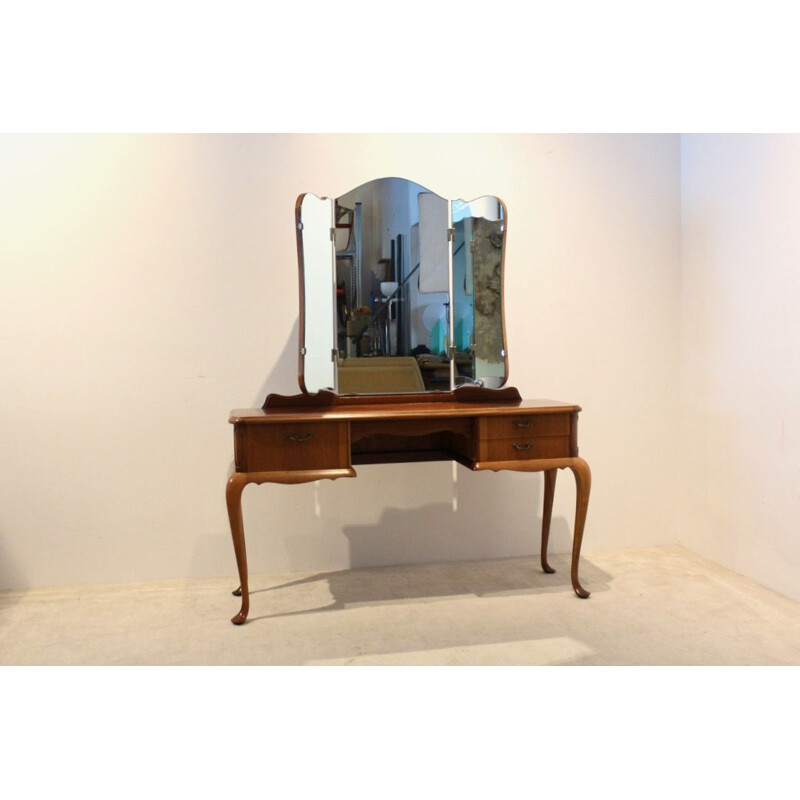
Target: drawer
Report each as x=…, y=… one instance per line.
x=291, y=446
x=523, y=448
x=527, y=425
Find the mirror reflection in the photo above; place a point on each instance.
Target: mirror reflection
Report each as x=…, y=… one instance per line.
x=412, y=285
x=393, y=288
x=479, y=227
x=317, y=295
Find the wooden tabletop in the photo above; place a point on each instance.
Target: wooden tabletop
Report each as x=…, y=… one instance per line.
x=400, y=411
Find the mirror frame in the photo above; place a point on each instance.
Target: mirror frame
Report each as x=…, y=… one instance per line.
x=303, y=296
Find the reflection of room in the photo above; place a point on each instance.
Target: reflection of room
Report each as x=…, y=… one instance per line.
x=394, y=294
x=477, y=283
x=400, y=253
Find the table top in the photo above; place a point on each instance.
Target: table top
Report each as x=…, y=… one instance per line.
x=400, y=410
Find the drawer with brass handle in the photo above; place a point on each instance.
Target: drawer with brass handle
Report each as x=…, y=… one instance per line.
x=527, y=426
x=524, y=448
x=292, y=446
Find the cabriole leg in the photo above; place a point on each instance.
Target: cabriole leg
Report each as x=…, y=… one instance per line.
x=233, y=497
x=547, y=513
x=583, y=485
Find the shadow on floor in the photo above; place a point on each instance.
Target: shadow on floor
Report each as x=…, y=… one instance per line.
x=331, y=591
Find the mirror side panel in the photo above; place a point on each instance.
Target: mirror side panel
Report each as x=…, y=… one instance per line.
x=314, y=218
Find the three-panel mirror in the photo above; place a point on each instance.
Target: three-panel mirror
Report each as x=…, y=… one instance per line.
x=401, y=290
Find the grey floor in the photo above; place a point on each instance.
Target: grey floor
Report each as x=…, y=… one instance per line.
x=655, y=606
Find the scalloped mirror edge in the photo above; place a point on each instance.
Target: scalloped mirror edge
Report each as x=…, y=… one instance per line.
x=401, y=291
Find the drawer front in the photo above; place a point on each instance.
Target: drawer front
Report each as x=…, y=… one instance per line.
x=523, y=448
x=292, y=446
x=527, y=425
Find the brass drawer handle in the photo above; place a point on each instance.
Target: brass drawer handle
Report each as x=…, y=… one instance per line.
x=522, y=423
x=526, y=446
x=298, y=439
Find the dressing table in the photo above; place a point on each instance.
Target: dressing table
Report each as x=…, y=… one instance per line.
x=396, y=281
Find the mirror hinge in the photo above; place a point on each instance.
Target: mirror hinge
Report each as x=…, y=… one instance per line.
x=333, y=234
x=334, y=355
x=451, y=234
x=451, y=352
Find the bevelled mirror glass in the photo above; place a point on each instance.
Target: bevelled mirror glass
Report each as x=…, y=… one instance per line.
x=479, y=331
x=317, y=293
x=401, y=290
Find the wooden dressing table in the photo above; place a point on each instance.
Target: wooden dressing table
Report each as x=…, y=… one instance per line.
x=446, y=267
x=482, y=429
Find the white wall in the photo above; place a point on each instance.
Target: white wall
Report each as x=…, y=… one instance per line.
x=149, y=285
x=740, y=498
